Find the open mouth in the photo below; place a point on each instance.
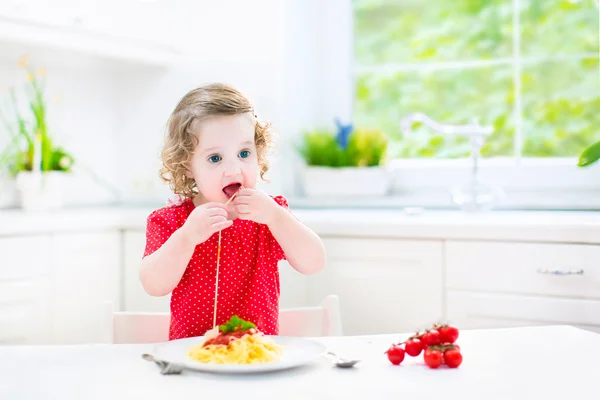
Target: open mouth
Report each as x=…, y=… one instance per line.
x=232, y=189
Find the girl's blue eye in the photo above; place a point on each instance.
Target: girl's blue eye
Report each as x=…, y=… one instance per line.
x=214, y=159
x=244, y=154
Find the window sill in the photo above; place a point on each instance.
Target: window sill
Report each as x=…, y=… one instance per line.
x=532, y=184
x=441, y=200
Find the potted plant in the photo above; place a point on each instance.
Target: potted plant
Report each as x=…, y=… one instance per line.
x=347, y=162
x=31, y=157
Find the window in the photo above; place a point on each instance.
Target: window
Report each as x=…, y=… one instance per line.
x=528, y=68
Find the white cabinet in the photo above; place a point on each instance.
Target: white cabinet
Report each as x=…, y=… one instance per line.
x=501, y=284
x=23, y=257
x=135, y=297
x=492, y=310
x=24, y=312
x=384, y=285
x=524, y=268
x=294, y=287
x=137, y=31
x=23, y=289
x=52, y=287
x=85, y=273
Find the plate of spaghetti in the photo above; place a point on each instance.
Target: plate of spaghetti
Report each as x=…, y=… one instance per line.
x=238, y=347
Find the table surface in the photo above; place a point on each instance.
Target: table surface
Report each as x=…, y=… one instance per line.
x=551, y=362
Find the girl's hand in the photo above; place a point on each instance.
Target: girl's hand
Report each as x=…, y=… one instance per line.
x=254, y=205
x=204, y=221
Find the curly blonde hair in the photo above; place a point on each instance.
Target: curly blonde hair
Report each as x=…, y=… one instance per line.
x=197, y=105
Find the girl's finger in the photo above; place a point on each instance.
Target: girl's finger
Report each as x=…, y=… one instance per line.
x=222, y=225
x=217, y=219
x=242, y=209
x=213, y=205
x=245, y=193
x=243, y=200
x=217, y=211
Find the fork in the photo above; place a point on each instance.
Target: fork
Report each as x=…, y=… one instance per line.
x=166, y=368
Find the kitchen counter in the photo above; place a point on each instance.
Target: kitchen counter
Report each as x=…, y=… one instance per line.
x=537, y=226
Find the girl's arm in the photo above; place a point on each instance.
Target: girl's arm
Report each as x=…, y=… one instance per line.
x=303, y=248
x=161, y=271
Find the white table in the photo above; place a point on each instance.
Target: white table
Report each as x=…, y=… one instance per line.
x=522, y=363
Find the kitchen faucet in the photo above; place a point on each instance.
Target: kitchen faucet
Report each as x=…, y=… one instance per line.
x=475, y=196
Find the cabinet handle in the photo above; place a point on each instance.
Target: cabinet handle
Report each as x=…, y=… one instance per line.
x=561, y=272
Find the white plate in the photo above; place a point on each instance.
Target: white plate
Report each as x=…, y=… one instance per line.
x=296, y=351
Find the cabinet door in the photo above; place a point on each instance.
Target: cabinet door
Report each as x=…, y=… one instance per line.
x=23, y=290
x=24, y=257
x=294, y=287
x=561, y=270
x=486, y=310
x=85, y=274
x=384, y=285
x=24, y=313
x=148, y=22
x=135, y=297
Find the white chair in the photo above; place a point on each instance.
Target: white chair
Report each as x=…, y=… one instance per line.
x=136, y=327
x=152, y=327
x=322, y=320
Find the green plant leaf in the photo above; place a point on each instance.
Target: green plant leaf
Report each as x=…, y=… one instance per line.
x=589, y=155
x=236, y=323
x=366, y=147
x=23, y=128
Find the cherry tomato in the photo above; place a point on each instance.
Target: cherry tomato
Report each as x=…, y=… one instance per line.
x=450, y=346
x=395, y=354
x=433, y=358
x=448, y=333
x=452, y=358
x=431, y=338
x=413, y=347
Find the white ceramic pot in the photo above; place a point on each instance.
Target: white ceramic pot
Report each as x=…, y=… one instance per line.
x=40, y=191
x=9, y=195
x=346, y=181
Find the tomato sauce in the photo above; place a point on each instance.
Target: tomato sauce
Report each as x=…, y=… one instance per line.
x=225, y=338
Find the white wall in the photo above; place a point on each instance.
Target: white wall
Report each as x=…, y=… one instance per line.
x=112, y=114
x=81, y=94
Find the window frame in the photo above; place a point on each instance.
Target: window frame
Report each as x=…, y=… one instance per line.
x=538, y=183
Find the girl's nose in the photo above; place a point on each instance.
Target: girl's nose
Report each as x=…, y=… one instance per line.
x=232, y=169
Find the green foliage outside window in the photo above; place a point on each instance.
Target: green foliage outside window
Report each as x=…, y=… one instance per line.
x=414, y=55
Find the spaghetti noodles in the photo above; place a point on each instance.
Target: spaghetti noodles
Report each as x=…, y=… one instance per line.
x=238, y=342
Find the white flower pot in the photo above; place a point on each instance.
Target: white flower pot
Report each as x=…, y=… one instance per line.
x=40, y=191
x=346, y=181
x=9, y=195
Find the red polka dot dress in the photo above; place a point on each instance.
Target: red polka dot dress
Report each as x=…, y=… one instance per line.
x=248, y=273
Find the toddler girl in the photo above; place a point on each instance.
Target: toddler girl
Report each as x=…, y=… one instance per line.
x=214, y=153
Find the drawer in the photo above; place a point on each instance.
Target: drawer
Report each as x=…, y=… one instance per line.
x=483, y=311
x=377, y=281
x=524, y=268
x=23, y=257
x=377, y=249
x=85, y=249
x=23, y=313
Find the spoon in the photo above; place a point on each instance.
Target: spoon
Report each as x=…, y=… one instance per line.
x=342, y=362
